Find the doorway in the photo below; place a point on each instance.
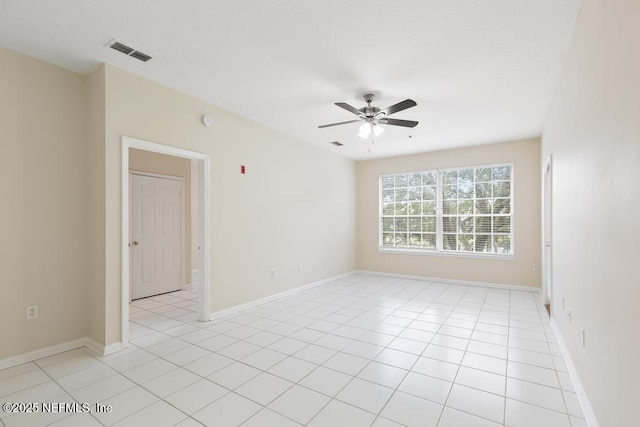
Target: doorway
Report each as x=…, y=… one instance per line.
x=203, y=215
x=546, y=238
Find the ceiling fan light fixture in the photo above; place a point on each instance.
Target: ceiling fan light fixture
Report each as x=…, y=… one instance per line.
x=368, y=128
x=365, y=130
x=372, y=116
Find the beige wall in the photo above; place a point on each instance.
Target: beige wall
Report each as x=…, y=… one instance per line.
x=147, y=161
x=295, y=205
x=95, y=97
x=61, y=168
x=44, y=218
x=593, y=134
x=525, y=156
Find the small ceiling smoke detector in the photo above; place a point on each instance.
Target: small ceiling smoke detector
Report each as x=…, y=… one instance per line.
x=206, y=120
x=336, y=143
x=129, y=51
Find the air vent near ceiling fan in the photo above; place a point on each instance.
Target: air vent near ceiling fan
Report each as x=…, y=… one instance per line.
x=129, y=51
x=122, y=48
x=141, y=56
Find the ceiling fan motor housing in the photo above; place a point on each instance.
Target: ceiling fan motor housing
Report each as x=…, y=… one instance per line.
x=374, y=115
x=369, y=111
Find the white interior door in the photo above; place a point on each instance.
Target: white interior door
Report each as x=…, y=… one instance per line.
x=156, y=235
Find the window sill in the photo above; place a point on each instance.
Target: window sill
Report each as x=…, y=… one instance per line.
x=405, y=251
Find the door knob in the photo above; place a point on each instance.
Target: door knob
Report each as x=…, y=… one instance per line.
x=135, y=243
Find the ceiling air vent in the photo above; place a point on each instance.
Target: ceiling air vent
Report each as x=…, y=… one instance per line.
x=336, y=143
x=122, y=48
x=129, y=51
x=141, y=56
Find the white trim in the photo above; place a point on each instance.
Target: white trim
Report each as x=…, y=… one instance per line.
x=125, y=232
x=422, y=252
x=205, y=208
x=94, y=346
x=40, y=353
x=260, y=301
x=587, y=409
x=159, y=175
x=547, y=285
x=102, y=350
x=112, y=348
x=453, y=281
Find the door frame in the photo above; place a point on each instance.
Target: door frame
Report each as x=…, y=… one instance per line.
x=183, y=268
x=547, y=240
x=204, y=208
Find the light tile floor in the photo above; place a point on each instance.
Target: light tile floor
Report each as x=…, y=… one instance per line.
x=361, y=351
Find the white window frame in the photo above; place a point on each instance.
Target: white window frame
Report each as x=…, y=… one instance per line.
x=439, y=251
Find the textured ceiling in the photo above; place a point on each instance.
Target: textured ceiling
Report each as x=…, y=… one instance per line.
x=481, y=71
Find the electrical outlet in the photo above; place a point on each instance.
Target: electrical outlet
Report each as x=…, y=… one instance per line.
x=562, y=303
x=32, y=312
x=272, y=273
x=569, y=314
x=299, y=267
x=534, y=267
x=583, y=338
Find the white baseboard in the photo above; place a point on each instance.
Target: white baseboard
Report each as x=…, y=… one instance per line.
x=51, y=350
x=452, y=281
x=260, y=301
x=587, y=409
x=90, y=343
x=194, y=276
x=112, y=348
x=94, y=346
x=102, y=350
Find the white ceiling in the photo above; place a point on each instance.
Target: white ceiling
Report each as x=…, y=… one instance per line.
x=481, y=71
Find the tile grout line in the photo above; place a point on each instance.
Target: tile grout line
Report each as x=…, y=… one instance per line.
x=395, y=390
x=506, y=371
x=453, y=382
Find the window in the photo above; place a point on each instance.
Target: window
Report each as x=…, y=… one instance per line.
x=453, y=210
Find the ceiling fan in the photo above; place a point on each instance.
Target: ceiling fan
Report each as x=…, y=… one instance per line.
x=373, y=117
